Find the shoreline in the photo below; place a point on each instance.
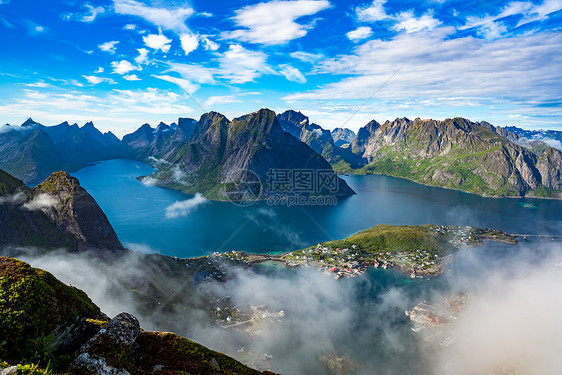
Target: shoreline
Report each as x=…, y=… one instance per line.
x=450, y=188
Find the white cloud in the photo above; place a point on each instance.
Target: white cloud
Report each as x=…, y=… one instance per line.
x=94, y=80
x=273, y=22
x=239, y=65
x=307, y=57
x=404, y=21
x=109, y=46
x=186, y=85
x=292, y=73
x=184, y=208
x=373, y=12
x=142, y=57
x=123, y=67
x=157, y=42
x=89, y=16
x=40, y=202
x=360, y=33
x=172, y=18
x=34, y=28
x=99, y=70
x=17, y=198
x=130, y=26
x=443, y=72
x=189, y=42
x=40, y=84
x=131, y=77
x=409, y=23
x=210, y=45
x=492, y=30
x=528, y=12
x=221, y=99
x=193, y=72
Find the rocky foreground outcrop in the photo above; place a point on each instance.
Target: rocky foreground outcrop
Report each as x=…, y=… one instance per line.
x=459, y=154
x=45, y=321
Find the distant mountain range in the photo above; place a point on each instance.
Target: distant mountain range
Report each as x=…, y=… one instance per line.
x=32, y=151
x=459, y=154
x=213, y=155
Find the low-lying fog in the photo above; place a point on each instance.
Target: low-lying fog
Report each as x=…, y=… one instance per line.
x=513, y=317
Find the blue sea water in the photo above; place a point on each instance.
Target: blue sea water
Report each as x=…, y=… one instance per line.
x=138, y=213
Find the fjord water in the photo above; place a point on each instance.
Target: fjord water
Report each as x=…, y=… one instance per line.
x=138, y=213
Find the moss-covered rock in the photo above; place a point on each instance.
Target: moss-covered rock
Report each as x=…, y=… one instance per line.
x=178, y=355
x=34, y=306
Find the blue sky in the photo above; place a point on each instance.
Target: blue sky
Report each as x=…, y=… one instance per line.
x=122, y=63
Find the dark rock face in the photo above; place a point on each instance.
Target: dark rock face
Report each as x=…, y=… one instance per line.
x=549, y=166
x=56, y=213
x=75, y=212
x=231, y=152
x=457, y=153
x=159, y=143
x=320, y=140
x=342, y=136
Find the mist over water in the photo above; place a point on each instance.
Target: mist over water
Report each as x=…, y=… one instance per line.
x=515, y=305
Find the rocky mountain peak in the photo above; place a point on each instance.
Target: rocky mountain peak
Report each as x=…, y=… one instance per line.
x=29, y=123
x=73, y=210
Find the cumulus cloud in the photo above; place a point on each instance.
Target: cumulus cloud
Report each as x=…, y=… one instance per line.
x=274, y=22
x=240, y=65
x=184, y=208
x=40, y=202
x=142, y=57
x=99, y=70
x=109, y=47
x=209, y=44
x=158, y=42
x=131, y=77
x=373, y=12
x=122, y=67
x=189, y=42
x=359, y=33
x=409, y=23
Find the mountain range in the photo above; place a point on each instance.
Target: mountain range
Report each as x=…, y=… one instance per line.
x=230, y=159
x=459, y=154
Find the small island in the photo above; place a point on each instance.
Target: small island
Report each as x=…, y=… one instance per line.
x=416, y=250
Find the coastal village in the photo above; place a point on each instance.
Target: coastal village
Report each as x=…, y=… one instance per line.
x=355, y=257
x=434, y=325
